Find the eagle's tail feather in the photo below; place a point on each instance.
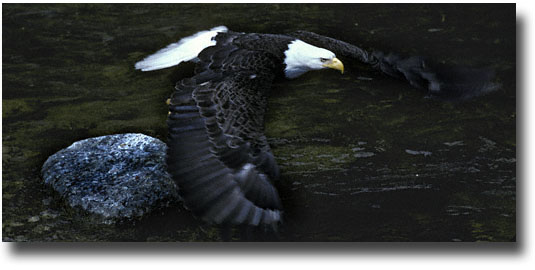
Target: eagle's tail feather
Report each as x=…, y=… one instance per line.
x=182, y=51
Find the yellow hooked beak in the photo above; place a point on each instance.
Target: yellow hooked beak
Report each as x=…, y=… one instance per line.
x=335, y=63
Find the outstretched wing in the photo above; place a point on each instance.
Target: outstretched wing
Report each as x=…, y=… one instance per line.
x=217, y=152
x=439, y=80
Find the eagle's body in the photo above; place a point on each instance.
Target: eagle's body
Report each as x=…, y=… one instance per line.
x=217, y=151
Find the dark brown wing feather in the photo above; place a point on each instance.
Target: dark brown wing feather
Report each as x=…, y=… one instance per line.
x=217, y=152
x=441, y=81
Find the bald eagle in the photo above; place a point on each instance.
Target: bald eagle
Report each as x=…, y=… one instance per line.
x=218, y=154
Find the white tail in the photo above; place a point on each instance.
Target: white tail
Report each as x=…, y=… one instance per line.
x=184, y=50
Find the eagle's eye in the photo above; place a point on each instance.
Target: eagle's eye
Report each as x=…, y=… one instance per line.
x=323, y=60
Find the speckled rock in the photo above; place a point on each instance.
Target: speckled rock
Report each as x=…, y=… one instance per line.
x=116, y=176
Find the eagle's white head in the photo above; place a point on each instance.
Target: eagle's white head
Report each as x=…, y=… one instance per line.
x=301, y=57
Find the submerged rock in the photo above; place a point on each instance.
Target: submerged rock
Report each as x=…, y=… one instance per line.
x=116, y=176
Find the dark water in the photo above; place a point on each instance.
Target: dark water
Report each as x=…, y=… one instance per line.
x=361, y=160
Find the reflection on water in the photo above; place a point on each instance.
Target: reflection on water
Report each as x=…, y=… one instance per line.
x=363, y=157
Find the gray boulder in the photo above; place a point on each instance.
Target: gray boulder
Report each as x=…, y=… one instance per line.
x=116, y=176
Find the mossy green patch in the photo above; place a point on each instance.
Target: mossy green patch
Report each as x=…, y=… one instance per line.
x=116, y=71
x=396, y=121
x=331, y=100
x=314, y=157
x=333, y=91
x=108, y=116
x=12, y=107
x=281, y=128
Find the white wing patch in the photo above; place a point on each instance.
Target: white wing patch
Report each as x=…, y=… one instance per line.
x=182, y=51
